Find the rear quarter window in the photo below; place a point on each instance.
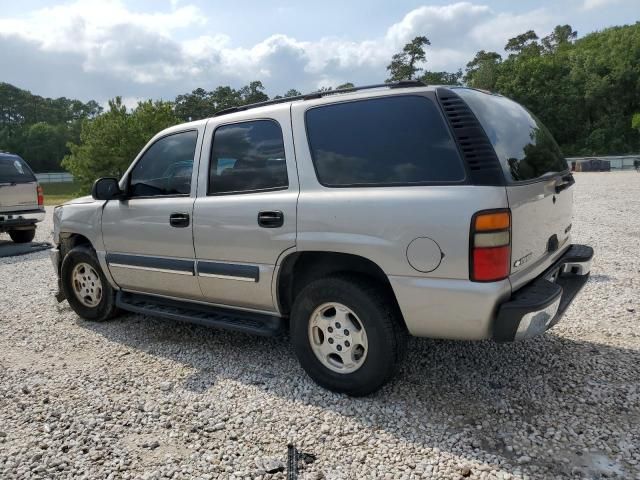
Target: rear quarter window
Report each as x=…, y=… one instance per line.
x=526, y=149
x=399, y=140
x=15, y=170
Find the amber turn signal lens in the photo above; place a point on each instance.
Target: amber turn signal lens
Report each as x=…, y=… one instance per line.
x=492, y=221
x=490, y=246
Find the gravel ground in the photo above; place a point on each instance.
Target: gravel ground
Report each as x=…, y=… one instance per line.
x=139, y=397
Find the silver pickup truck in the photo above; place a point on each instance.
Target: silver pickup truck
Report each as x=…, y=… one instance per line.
x=21, y=199
x=348, y=218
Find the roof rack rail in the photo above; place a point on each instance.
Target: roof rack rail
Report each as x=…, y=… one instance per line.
x=320, y=94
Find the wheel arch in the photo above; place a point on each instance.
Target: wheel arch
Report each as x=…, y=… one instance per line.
x=298, y=269
x=70, y=240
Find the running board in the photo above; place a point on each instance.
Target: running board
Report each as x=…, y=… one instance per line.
x=217, y=317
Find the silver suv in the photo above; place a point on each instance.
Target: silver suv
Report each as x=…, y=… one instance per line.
x=21, y=200
x=347, y=218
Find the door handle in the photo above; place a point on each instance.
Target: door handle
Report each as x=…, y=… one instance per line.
x=271, y=219
x=179, y=220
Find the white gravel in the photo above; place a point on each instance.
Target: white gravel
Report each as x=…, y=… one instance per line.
x=139, y=397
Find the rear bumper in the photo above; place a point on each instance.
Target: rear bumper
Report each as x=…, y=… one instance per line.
x=20, y=219
x=538, y=306
x=453, y=309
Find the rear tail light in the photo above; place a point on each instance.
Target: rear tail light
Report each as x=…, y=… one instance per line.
x=490, y=246
x=40, y=196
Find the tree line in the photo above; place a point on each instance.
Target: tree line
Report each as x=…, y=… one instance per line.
x=39, y=128
x=586, y=91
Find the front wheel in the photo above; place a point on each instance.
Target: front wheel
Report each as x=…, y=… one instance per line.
x=22, y=236
x=347, y=334
x=85, y=287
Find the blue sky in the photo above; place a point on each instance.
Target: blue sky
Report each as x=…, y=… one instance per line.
x=158, y=49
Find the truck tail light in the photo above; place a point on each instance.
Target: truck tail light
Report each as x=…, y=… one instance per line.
x=490, y=246
x=40, y=196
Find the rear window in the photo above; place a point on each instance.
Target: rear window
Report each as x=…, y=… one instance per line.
x=247, y=157
x=399, y=140
x=15, y=170
x=524, y=146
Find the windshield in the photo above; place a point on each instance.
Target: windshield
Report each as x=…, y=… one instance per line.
x=14, y=170
x=523, y=144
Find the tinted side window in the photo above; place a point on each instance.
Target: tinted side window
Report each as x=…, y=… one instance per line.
x=15, y=170
x=523, y=144
x=166, y=166
x=385, y=141
x=247, y=157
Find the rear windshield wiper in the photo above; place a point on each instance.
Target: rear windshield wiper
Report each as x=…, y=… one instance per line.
x=8, y=184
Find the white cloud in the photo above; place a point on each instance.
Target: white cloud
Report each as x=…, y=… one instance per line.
x=107, y=47
x=591, y=4
x=494, y=33
x=85, y=24
x=438, y=22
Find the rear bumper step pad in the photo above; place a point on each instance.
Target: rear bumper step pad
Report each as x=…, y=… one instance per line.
x=539, y=305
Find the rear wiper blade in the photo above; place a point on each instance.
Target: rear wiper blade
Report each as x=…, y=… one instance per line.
x=9, y=184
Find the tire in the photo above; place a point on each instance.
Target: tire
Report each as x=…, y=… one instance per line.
x=22, y=236
x=376, y=311
x=99, y=304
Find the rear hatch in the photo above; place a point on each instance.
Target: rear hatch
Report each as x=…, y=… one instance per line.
x=539, y=183
x=18, y=185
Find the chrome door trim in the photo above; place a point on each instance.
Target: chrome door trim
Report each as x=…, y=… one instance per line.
x=151, y=269
x=228, y=271
x=178, y=266
x=226, y=277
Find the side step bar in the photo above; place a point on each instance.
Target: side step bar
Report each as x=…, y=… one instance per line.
x=217, y=317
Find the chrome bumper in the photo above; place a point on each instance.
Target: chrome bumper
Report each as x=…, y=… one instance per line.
x=535, y=308
x=20, y=219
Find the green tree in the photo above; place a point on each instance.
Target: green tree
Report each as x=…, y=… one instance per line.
x=253, y=93
x=345, y=85
x=38, y=128
x=483, y=70
x=561, y=35
x=292, y=93
x=44, y=145
x=195, y=105
x=225, y=97
x=442, y=78
x=542, y=84
x=109, y=142
x=525, y=43
x=201, y=103
x=404, y=65
x=585, y=91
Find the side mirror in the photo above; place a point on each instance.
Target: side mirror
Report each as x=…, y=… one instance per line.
x=106, y=188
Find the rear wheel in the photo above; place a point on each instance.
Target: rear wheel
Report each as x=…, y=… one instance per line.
x=85, y=286
x=347, y=334
x=22, y=236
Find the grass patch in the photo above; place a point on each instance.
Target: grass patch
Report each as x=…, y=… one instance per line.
x=57, y=193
